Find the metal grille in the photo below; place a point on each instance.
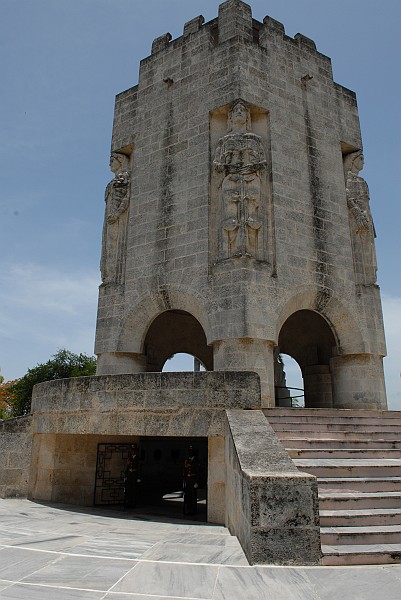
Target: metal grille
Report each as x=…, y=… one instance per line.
x=110, y=473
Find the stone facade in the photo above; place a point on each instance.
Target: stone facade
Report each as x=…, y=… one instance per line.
x=247, y=217
x=15, y=456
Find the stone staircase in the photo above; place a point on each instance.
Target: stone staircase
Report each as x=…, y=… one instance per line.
x=356, y=457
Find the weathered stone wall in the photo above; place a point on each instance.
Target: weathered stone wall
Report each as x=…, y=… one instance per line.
x=270, y=505
x=71, y=416
x=15, y=456
x=173, y=119
x=64, y=466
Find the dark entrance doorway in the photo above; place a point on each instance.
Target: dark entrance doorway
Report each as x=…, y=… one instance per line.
x=160, y=491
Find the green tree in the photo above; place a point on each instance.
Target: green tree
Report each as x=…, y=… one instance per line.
x=63, y=364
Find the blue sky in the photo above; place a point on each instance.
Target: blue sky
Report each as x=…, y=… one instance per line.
x=63, y=62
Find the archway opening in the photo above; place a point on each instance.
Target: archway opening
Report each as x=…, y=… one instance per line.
x=176, y=332
x=183, y=362
x=309, y=340
x=288, y=382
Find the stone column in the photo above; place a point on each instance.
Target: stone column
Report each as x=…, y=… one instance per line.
x=246, y=354
x=358, y=382
x=216, y=482
x=318, y=386
x=120, y=363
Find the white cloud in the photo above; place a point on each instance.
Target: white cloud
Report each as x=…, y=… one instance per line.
x=44, y=309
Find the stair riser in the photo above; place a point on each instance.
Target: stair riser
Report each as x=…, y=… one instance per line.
x=362, y=485
x=331, y=413
x=349, y=453
x=339, y=435
x=360, y=520
x=363, y=422
x=358, y=503
x=360, y=471
x=334, y=539
x=338, y=444
x=361, y=559
x=347, y=427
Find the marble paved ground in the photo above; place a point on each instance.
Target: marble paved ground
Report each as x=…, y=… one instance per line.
x=59, y=552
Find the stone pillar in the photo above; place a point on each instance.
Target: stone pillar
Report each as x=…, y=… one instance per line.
x=216, y=481
x=318, y=386
x=358, y=382
x=120, y=363
x=246, y=354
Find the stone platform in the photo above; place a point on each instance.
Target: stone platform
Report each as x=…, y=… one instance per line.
x=69, y=553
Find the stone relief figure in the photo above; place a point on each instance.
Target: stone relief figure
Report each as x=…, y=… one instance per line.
x=361, y=223
x=240, y=158
x=117, y=198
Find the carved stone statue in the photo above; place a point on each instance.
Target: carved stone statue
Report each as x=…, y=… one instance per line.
x=361, y=223
x=240, y=158
x=117, y=198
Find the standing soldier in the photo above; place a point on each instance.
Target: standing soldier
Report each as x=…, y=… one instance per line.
x=190, y=483
x=132, y=478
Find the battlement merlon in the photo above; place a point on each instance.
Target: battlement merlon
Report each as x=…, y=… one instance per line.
x=296, y=57
x=235, y=20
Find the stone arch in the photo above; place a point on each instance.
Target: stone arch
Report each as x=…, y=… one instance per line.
x=308, y=338
x=174, y=331
x=342, y=322
x=315, y=328
x=135, y=325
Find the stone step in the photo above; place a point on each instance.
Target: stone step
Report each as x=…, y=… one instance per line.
x=334, y=500
x=284, y=425
x=343, y=453
x=368, y=484
x=348, y=467
x=384, y=534
x=329, y=442
x=356, y=456
x=358, y=554
x=330, y=413
x=360, y=518
x=316, y=434
x=322, y=419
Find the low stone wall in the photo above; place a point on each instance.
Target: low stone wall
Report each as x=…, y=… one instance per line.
x=270, y=506
x=166, y=404
x=71, y=416
x=15, y=456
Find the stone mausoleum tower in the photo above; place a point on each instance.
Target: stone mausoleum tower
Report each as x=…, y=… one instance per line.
x=237, y=225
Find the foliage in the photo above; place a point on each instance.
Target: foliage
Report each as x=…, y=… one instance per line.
x=64, y=364
x=5, y=396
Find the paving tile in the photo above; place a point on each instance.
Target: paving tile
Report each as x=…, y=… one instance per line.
x=163, y=579
x=356, y=583
x=16, y=563
x=32, y=592
x=82, y=572
x=191, y=553
x=263, y=583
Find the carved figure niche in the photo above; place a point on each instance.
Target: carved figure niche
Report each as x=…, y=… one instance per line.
x=240, y=197
x=360, y=219
x=115, y=227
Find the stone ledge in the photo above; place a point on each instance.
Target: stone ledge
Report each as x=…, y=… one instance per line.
x=143, y=404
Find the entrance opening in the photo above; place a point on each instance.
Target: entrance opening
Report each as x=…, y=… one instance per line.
x=175, y=332
x=162, y=475
x=308, y=339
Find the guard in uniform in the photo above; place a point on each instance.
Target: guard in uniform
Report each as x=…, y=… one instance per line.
x=132, y=478
x=190, y=483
